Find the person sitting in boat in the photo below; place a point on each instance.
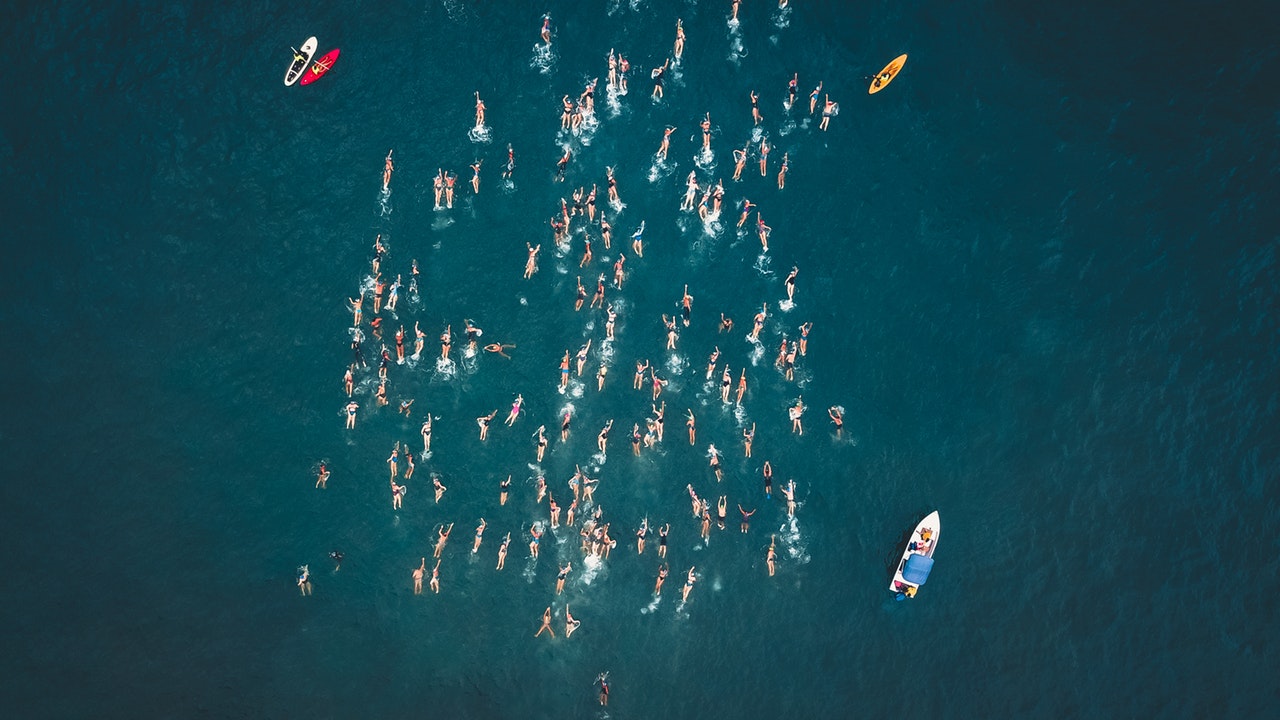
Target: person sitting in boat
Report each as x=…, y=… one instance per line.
x=925, y=534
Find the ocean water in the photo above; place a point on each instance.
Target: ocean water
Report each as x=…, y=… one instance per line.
x=1041, y=271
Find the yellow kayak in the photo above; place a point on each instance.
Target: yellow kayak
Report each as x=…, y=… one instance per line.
x=886, y=76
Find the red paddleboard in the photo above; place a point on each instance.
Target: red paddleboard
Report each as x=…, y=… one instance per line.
x=320, y=67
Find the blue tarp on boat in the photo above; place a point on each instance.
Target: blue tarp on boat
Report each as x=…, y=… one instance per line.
x=917, y=569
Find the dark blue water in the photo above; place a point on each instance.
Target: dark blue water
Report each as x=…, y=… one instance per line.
x=1041, y=271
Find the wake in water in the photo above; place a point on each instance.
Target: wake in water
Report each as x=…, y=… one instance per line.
x=481, y=134
x=543, y=59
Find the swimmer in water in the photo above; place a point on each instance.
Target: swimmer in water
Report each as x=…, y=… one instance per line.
x=715, y=463
x=570, y=622
x=763, y=231
x=837, y=418
x=755, y=108
x=304, y=580
x=531, y=264
x=711, y=361
x=602, y=439
x=352, y=407
x=746, y=518
x=582, y=356
x=483, y=421
x=662, y=576
x=600, y=374
x=610, y=320
x=546, y=29
x=542, y=441
x=638, y=382
x=397, y=495
x=726, y=325
x=536, y=533
x=426, y=435
x=479, y=116
x=546, y=623
x=393, y=460
x=502, y=551
x=637, y=240
x=336, y=556
x=504, y=488
x=767, y=471
x=640, y=536
x=686, y=306
x=356, y=304
x=828, y=111
x=790, y=283
x=564, y=573
x=442, y=537
x=688, y=586
x=439, y=488
x=515, y=410
x=386, y=171
x=475, y=176
x=446, y=342
x=666, y=143
x=662, y=540
x=722, y=507
x=764, y=156
x=603, y=680
x=419, y=340
x=511, y=163
x=678, y=50
x=748, y=434
x=758, y=321
x=564, y=371
x=792, y=87
x=771, y=557
x=742, y=385
x=323, y=479
x=435, y=578
x=726, y=383
x=789, y=492
x=564, y=426
x=689, y=423
x=739, y=162
x=657, y=74
x=499, y=348
x=813, y=98
x=475, y=548
x=418, y=573
x=782, y=174
x=598, y=297
x=804, y=337
x=706, y=132
x=794, y=412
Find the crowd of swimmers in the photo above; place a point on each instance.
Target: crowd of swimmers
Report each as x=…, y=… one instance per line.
x=580, y=215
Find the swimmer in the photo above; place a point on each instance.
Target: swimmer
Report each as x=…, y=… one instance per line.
x=689, y=423
x=351, y=414
x=393, y=460
x=546, y=29
x=739, y=162
x=472, y=332
x=600, y=374
x=546, y=623
x=381, y=395
x=591, y=204
x=792, y=86
x=356, y=304
x=586, y=260
x=637, y=240
x=748, y=434
x=804, y=337
x=612, y=183
x=442, y=537
x=679, y=47
x=322, y=480
x=446, y=342
x=479, y=117
x=573, y=508
x=502, y=551
x=419, y=340
x=657, y=74
x=828, y=111
x=603, y=679
x=386, y=171
x=657, y=382
x=408, y=460
x=794, y=412
x=782, y=174
x=688, y=586
x=746, y=518
x=764, y=156
x=483, y=421
x=706, y=132
x=733, y=19
x=475, y=176
x=511, y=163
x=686, y=305
x=772, y=555
x=336, y=556
x=515, y=410
x=837, y=418
x=582, y=356
x=659, y=417
x=475, y=547
x=379, y=286
x=726, y=383
x=722, y=506
x=672, y=335
x=758, y=321
x=813, y=98
x=564, y=573
x=440, y=488
x=418, y=573
x=691, y=191
x=531, y=264
x=426, y=435
x=666, y=142
x=437, y=185
x=563, y=163
x=536, y=533
x=715, y=463
x=767, y=471
x=726, y=325
x=397, y=495
x=602, y=439
x=564, y=426
x=789, y=492
x=662, y=576
x=564, y=371
x=747, y=206
x=755, y=108
x=570, y=622
x=435, y=578
x=504, y=488
x=499, y=348
x=618, y=274
x=606, y=232
x=662, y=540
x=610, y=319
x=542, y=441
x=639, y=377
x=349, y=380
x=598, y=297
x=554, y=510
x=635, y=439
x=640, y=536
x=711, y=361
x=399, y=343
x=304, y=580
x=790, y=283
x=449, y=181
